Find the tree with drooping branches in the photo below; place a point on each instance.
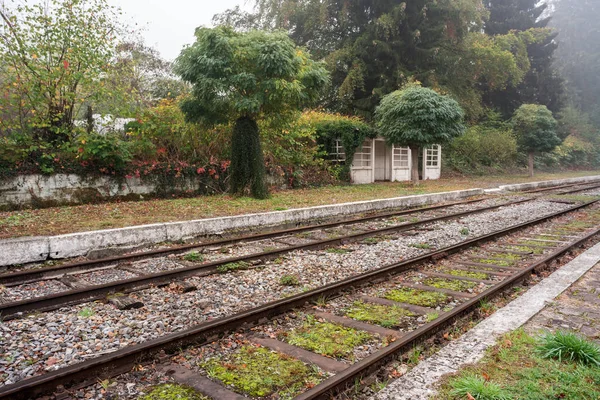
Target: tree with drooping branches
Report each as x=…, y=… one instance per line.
x=418, y=117
x=243, y=78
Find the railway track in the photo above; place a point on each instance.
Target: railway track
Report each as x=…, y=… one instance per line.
x=74, y=275
x=481, y=275
x=72, y=280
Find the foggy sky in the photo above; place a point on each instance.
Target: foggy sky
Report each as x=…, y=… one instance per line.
x=169, y=24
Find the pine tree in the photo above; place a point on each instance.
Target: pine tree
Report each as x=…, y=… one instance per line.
x=542, y=84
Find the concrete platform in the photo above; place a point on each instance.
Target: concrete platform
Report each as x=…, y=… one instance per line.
x=28, y=249
x=567, y=299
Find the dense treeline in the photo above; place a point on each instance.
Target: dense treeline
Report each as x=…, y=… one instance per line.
x=63, y=61
x=492, y=56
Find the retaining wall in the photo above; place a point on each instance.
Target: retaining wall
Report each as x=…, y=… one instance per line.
x=61, y=189
x=32, y=249
x=67, y=189
x=24, y=250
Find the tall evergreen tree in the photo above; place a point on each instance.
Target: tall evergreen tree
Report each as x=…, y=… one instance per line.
x=542, y=84
x=374, y=47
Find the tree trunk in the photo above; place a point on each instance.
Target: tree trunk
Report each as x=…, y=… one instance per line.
x=531, y=164
x=247, y=162
x=414, y=171
x=90, y=119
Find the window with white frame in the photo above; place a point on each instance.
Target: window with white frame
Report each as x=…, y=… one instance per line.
x=337, y=152
x=433, y=153
x=401, y=157
x=362, y=156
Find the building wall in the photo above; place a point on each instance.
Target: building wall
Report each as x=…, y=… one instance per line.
x=397, y=163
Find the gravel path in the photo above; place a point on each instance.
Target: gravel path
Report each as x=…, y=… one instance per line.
x=48, y=341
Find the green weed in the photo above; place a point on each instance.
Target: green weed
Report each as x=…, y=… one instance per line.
x=259, y=372
x=86, y=312
x=327, y=339
x=424, y=246
x=417, y=297
x=569, y=347
x=450, y=284
x=432, y=316
x=289, y=280
x=478, y=388
x=234, y=266
x=194, y=257
x=386, y=316
x=337, y=250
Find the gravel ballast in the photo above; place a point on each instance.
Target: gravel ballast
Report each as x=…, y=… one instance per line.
x=53, y=340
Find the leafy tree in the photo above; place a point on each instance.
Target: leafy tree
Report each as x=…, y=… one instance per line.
x=536, y=130
x=373, y=47
x=542, y=83
x=245, y=77
x=418, y=117
x=520, y=15
x=54, y=55
x=138, y=78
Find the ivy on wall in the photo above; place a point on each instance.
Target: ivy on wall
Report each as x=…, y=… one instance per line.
x=352, y=133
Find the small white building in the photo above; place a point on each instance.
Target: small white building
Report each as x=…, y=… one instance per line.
x=376, y=161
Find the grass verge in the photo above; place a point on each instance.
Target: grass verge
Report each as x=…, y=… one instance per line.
x=60, y=220
x=521, y=366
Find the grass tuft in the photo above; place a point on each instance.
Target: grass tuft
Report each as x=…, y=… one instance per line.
x=477, y=387
x=289, y=280
x=386, y=316
x=568, y=346
x=327, y=339
x=194, y=257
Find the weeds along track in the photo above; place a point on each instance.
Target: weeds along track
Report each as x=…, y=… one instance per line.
x=44, y=289
x=51, y=287
x=380, y=311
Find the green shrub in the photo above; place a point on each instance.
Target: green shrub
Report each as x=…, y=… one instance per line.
x=483, y=146
x=174, y=139
x=106, y=152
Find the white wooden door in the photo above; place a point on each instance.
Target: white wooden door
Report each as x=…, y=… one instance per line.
x=432, y=162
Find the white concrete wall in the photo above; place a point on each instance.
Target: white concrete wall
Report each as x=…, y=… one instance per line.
x=68, y=188
x=27, y=249
x=361, y=175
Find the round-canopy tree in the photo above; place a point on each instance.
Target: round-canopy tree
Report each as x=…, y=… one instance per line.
x=535, y=128
x=244, y=77
x=418, y=117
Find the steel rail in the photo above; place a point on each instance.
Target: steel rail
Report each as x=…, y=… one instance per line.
x=11, y=310
x=579, y=190
x=340, y=381
x=122, y=360
x=87, y=265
